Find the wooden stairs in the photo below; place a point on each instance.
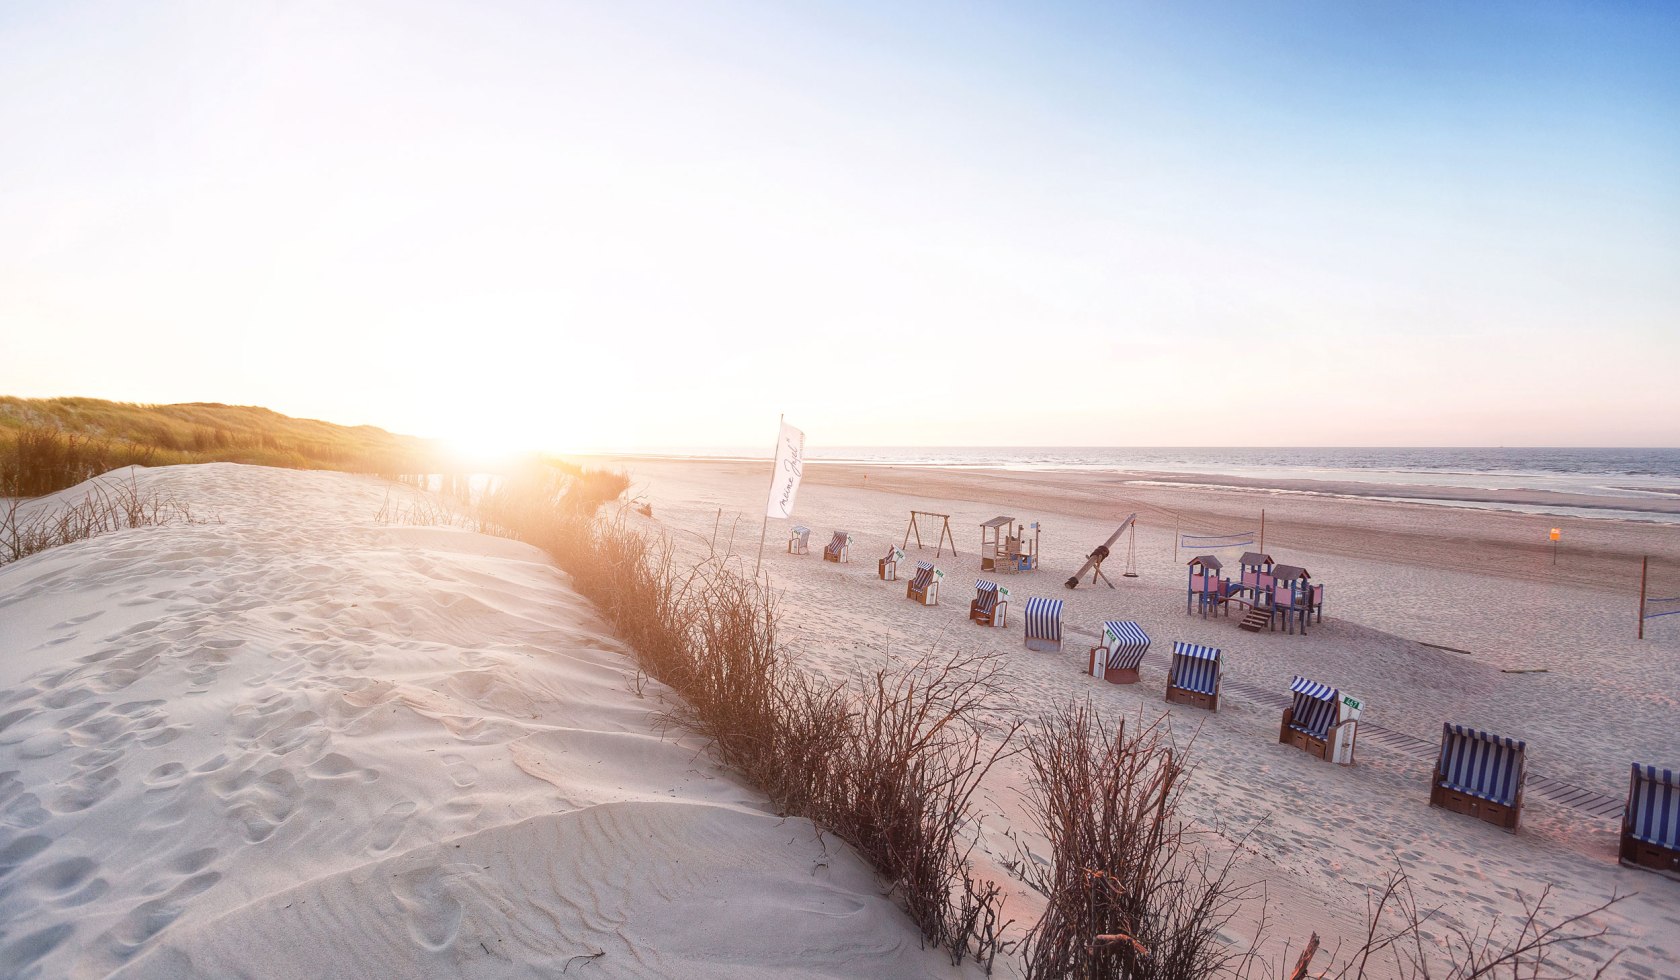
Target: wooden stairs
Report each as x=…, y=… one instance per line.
x=1256, y=620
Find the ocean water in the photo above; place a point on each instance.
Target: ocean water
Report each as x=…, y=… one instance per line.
x=1627, y=475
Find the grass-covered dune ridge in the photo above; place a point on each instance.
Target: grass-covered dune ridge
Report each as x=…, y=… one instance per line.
x=47, y=444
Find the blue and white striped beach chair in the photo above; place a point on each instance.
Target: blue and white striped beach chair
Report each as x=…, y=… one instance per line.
x=1311, y=723
x=1651, y=822
x=991, y=604
x=839, y=549
x=1120, y=655
x=1480, y=774
x=799, y=540
x=1194, y=678
x=1044, y=624
x=924, y=585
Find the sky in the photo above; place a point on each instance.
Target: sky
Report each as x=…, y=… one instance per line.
x=637, y=225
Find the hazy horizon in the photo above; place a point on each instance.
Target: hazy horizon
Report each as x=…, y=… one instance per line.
x=567, y=227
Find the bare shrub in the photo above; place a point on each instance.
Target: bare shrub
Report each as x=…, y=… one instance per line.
x=1127, y=897
x=1400, y=942
x=1131, y=895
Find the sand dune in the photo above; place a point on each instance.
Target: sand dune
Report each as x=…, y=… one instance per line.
x=293, y=742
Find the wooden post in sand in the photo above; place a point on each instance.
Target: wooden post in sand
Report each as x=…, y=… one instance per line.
x=1262, y=530
x=1644, y=563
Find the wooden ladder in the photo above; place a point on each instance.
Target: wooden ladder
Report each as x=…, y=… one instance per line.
x=1256, y=620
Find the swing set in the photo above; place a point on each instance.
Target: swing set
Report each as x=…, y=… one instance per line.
x=944, y=532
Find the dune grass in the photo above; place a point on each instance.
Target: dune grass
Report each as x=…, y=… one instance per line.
x=47, y=445
x=890, y=763
x=111, y=504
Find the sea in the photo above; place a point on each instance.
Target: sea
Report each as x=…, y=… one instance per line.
x=1631, y=483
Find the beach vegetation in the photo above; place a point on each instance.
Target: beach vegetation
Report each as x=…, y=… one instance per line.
x=105, y=505
x=47, y=445
x=888, y=762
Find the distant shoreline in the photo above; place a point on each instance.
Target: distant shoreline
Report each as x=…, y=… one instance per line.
x=1654, y=504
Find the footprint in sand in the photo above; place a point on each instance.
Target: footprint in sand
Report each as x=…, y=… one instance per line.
x=261, y=806
x=18, y=851
x=434, y=915
x=85, y=790
x=11, y=718
x=389, y=827
x=22, y=811
x=66, y=883
x=461, y=772
x=32, y=947
x=336, y=766
x=153, y=916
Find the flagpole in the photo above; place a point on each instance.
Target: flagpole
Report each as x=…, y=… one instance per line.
x=780, y=418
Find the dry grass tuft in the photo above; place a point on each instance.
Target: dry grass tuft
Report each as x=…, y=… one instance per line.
x=108, y=505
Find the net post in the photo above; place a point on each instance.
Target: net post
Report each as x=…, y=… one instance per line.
x=1644, y=563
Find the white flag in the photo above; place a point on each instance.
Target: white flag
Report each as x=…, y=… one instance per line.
x=790, y=465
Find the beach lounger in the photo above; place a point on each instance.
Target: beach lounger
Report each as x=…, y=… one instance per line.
x=799, y=540
x=1120, y=655
x=1194, y=678
x=888, y=566
x=924, y=585
x=839, y=549
x=991, y=604
x=1044, y=624
x=1480, y=775
x=1651, y=822
x=1319, y=723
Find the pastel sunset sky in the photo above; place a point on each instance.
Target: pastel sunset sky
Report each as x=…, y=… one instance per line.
x=633, y=224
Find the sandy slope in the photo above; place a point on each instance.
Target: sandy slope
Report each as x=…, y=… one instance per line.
x=1397, y=574
x=296, y=743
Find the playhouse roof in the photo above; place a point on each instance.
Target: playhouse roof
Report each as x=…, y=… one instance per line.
x=1285, y=573
x=998, y=522
x=1255, y=558
x=1206, y=561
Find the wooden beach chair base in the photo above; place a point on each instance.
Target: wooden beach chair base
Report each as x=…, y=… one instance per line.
x=1457, y=801
x=996, y=616
x=1044, y=646
x=1639, y=854
x=930, y=597
x=1195, y=699
x=1318, y=748
x=888, y=570
x=1113, y=675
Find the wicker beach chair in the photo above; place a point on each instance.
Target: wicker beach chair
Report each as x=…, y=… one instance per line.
x=887, y=567
x=1651, y=822
x=799, y=540
x=924, y=585
x=990, y=606
x=1480, y=775
x=1315, y=722
x=1044, y=624
x=1120, y=655
x=839, y=549
x=1195, y=675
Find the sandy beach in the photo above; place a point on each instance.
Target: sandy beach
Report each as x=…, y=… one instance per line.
x=1433, y=614
x=293, y=742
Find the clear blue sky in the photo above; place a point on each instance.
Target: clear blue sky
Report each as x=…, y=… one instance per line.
x=661, y=224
